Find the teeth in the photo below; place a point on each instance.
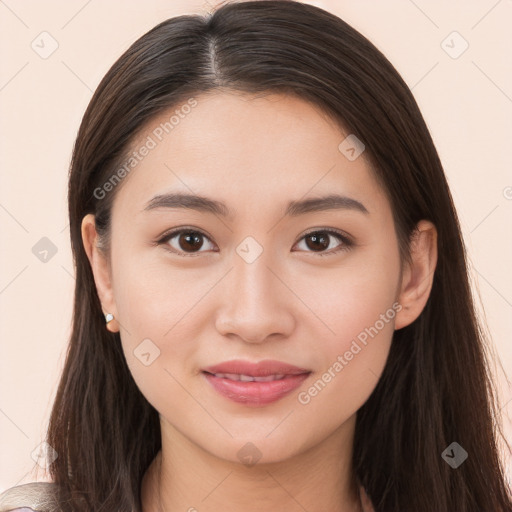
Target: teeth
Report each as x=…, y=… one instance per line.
x=249, y=378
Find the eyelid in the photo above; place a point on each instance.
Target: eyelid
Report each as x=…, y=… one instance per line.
x=347, y=241
x=332, y=231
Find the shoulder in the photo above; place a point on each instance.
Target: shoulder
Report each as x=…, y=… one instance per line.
x=365, y=500
x=31, y=497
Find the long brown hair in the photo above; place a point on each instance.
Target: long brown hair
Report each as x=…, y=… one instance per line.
x=436, y=387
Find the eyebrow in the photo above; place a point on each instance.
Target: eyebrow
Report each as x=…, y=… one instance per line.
x=294, y=208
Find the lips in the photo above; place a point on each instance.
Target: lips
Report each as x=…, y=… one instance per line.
x=255, y=384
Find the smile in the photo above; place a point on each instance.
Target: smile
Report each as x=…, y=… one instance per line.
x=254, y=391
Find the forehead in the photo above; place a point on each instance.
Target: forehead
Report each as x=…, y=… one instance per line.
x=243, y=150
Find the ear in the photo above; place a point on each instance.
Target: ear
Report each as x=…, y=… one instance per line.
x=418, y=277
x=100, y=267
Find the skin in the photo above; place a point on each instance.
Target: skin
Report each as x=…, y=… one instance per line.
x=290, y=304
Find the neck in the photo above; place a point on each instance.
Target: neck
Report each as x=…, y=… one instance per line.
x=185, y=477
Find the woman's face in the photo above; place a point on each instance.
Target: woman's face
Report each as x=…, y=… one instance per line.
x=263, y=282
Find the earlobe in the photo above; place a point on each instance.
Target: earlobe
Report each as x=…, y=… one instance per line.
x=418, y=277
x=100, y=269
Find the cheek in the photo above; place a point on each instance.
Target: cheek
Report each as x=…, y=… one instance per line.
x=152, y=297
x=154, y=304
x=357, y=307
x=158, y=345
x=351, y=360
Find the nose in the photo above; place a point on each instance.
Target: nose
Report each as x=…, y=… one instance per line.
x=256, y=302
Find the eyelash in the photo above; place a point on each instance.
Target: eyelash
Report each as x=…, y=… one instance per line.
x=346, y=244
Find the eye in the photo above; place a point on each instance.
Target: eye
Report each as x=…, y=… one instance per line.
x=188, y=240
x=318, y=240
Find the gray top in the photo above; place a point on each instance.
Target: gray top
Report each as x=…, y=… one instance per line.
x=31, y=497
x=39, y=497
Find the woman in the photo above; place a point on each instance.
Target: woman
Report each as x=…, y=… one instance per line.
x=259, y=214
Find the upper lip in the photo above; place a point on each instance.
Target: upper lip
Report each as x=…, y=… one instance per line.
x=260, y=369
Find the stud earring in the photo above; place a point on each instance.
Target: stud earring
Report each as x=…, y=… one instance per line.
x=109, y=317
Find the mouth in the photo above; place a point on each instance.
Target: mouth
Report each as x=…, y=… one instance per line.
x=253, y=384
x=248, y=378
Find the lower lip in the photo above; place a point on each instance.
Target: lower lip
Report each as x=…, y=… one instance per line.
x=256, y=393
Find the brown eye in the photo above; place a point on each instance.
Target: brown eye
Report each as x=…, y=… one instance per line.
x=317, y=241
x=184, y=242
x=320, y=240
x=190, y=241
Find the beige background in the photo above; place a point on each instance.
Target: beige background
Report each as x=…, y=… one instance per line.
x=466, y=101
